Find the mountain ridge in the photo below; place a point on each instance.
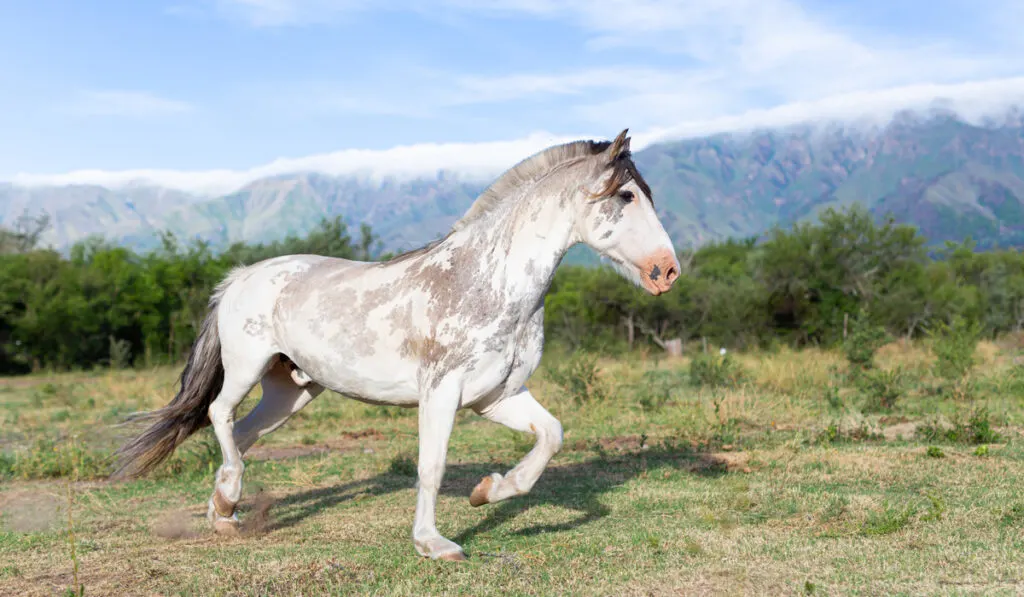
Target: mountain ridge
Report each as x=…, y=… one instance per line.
x=949, y=177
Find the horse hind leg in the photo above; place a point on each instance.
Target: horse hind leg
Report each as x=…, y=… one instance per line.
x=241, y=373
x=286, y=390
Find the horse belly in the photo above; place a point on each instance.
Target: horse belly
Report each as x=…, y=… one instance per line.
x=388, y=379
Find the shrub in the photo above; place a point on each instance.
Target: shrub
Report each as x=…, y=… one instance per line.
x=863, y=342
x=716, y=371
x=954, y=346
x=579, y=376
x=975, y=429
x=655, y=390
x=881, y=389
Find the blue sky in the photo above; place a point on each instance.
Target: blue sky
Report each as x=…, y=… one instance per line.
x=195, y=85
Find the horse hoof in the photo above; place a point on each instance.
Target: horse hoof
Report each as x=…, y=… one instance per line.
x=480, y=492
x=453, y=556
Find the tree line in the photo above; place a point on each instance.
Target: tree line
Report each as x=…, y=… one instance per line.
x=803, y=285
x=105, y=305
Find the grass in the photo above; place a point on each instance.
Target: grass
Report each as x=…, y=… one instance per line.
x=778, y=482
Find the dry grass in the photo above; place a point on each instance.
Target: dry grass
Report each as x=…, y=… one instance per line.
x=710, y=491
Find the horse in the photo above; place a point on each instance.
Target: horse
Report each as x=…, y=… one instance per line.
x=458, y=323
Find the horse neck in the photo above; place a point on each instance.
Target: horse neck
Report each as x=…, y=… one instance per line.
x=525, y=242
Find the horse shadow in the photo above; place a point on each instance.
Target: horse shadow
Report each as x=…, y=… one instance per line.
x=577, y=486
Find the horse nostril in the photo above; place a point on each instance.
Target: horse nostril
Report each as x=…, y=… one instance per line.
x=671, y=274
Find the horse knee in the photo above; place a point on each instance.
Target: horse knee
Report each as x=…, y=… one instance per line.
x=550, y=433
x=556, y=435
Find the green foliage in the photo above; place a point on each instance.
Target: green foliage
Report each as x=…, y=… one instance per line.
x=863, y=342
x=49, y=459
x=954, y=346
x=579, y=376
x=655, y=389
x=716, y=371
x=880, y=388
x=403, y=465
x=106, y=305
x=975, y=428
x=796, y=287
x=888, y=520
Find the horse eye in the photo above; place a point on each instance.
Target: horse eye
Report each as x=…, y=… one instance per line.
x=626, y=196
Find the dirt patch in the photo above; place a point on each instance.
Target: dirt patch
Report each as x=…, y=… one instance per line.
x=370, y=433
x=345, y=443
x=31, y=512
x=734, y=462
x=285, y=452
x=621, y=443
x=900, y=431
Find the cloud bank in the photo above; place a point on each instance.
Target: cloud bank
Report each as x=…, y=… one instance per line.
x=973, y=101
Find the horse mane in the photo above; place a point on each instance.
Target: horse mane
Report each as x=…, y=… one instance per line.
x=533, y=168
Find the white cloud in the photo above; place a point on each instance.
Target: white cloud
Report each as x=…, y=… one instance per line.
x=975, y=101
x=124, y=103
x=737, y=65
x=732, y=56
x=472, y=160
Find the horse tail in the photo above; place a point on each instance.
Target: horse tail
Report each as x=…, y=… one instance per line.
x=201, y=382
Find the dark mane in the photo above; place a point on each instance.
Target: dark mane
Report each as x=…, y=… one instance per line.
x=540, y=164
x=623, y=171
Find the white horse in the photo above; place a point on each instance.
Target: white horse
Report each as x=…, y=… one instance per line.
x=455, y=324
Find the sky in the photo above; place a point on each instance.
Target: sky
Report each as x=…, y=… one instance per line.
x=208, y=94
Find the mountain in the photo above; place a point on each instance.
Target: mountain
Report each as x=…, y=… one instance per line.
x=949, y=177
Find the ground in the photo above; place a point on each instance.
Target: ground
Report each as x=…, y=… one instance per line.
x=781, y=481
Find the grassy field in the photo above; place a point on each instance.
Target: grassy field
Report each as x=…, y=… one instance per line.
x=780, y=476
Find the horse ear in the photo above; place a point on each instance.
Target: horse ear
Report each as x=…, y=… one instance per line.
x=619, y=145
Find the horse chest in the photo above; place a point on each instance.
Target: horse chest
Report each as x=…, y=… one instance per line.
x=506, y=365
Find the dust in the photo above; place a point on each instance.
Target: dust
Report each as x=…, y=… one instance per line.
x=258, y=521
x=174, y=525
x=31, y=512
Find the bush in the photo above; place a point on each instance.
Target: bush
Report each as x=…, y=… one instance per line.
x=716, y=371
x=655, y=390
x=881, y=389
x=954, y=346
x=863, y=342
x=976, y=429
x=579, y=377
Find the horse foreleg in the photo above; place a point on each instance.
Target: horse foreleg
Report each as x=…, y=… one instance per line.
x=437, y=416
x=522, y=413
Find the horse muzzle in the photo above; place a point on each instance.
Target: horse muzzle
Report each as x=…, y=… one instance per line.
x=659, y=271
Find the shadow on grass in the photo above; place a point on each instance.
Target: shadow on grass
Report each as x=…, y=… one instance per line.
x=576, y=486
